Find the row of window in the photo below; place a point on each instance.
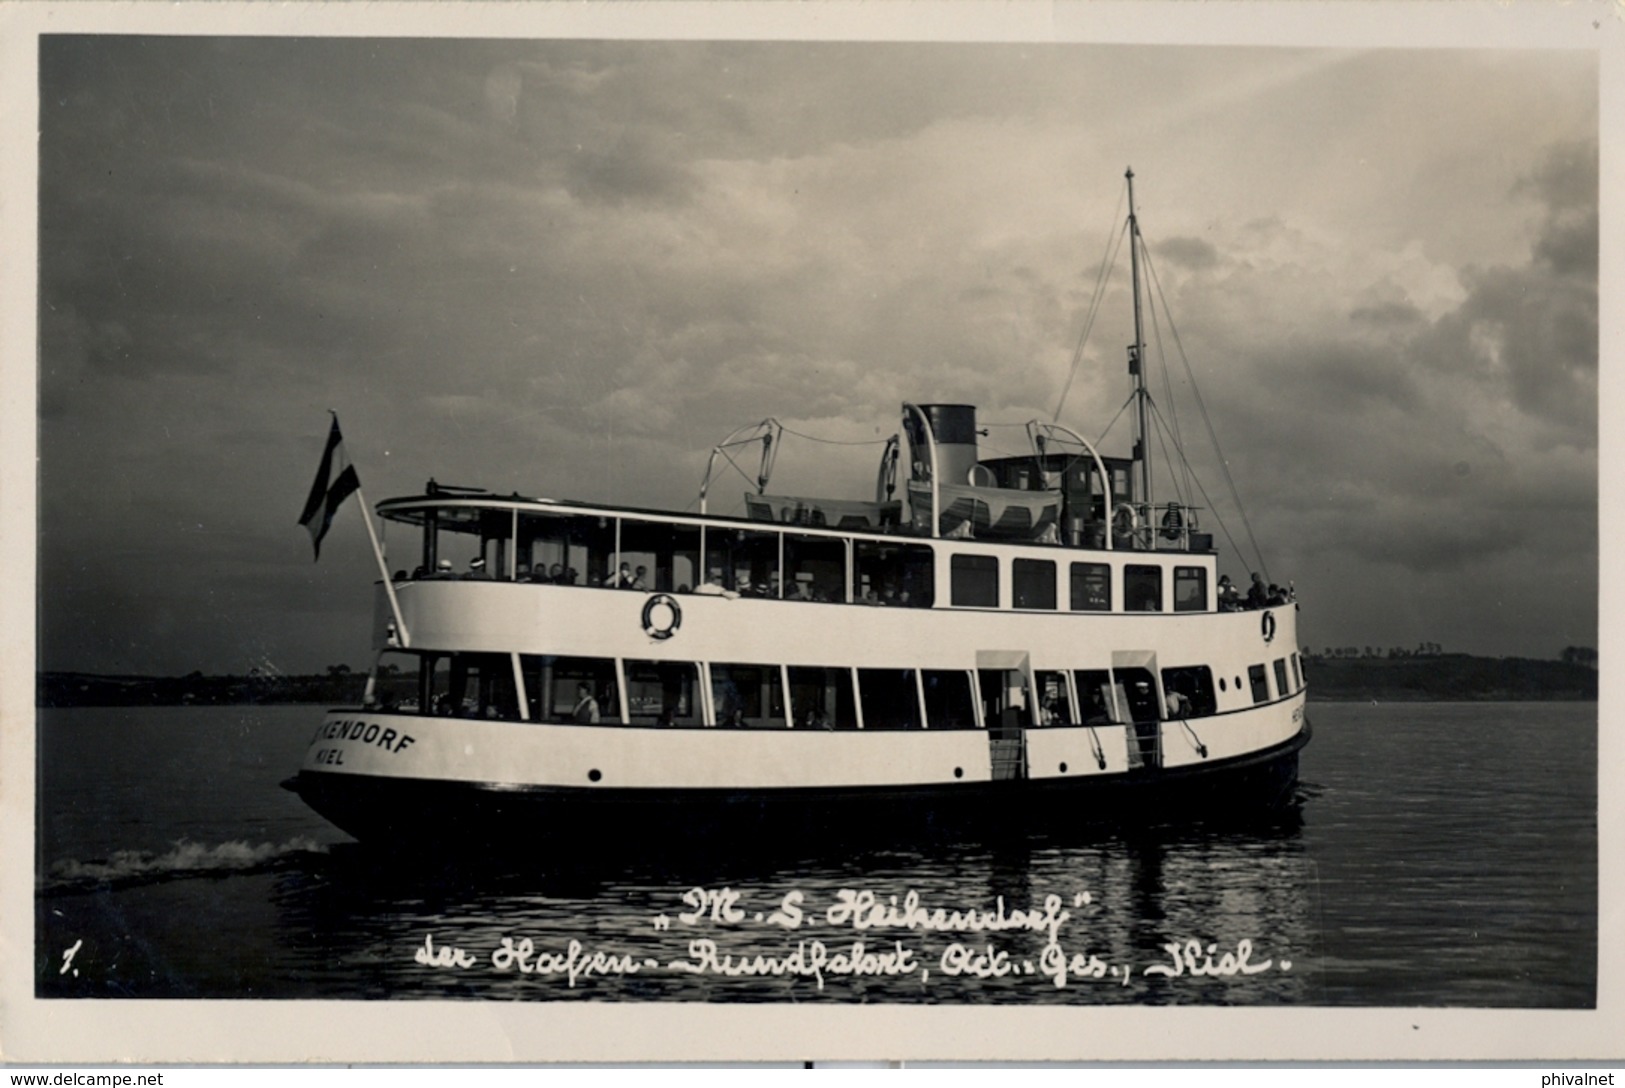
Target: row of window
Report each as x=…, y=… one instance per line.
x=661, y=557
x=1033, y=585
x=593, y=690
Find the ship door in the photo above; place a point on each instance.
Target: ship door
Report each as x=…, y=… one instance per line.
x=1005, y=679
x=1139, y=701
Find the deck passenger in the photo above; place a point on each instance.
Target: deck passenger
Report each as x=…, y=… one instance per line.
x=1257, y=596
x=1229, y=595
x=621, y=579
x=1178, y=705
x=640, y=580
x=586, y=708
x=443, y=570
x=476, y=570
x=713, y=587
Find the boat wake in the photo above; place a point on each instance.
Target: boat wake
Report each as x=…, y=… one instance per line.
x=184, y=859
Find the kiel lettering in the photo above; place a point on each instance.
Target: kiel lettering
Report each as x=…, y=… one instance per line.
x=364, y=731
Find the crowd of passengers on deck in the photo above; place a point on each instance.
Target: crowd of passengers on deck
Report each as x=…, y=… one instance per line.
x=1258, y=595
x=557, y=574
x=638, y=580
x=881, y=589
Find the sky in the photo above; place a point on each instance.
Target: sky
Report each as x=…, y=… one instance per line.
x=569, y=268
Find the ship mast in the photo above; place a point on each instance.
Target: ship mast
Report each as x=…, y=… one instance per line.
x=1136, y=359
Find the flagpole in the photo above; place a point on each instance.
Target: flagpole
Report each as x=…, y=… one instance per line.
x=327, y=494
x=402, y=635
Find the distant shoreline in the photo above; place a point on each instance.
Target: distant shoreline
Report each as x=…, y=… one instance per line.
x=1408, y=698
x=1436, y=678
x=1432, y=678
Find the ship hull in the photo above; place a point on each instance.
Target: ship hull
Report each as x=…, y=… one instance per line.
x=402, y=811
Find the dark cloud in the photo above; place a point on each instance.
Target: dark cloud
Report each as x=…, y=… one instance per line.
x=1387, y=314
x=570, y=267
x=1443, y=444
x=1192, y=253
x=1530, y=331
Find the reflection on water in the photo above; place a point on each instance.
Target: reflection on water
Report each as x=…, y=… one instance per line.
x=1437, y=856
x=359, y=911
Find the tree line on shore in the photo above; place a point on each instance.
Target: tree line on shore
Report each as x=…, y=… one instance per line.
x=1447, y=677
x=338, y=686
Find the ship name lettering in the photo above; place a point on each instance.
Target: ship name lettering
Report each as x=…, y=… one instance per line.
x=364, y=731
x=811, y=959
x=720, y=904
x=1188, y=958
x=864, y=910
x=789, y=914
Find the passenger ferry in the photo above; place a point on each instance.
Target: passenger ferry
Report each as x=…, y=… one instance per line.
x=1018, y=639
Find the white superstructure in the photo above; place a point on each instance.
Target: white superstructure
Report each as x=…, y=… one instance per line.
x=1033, y=629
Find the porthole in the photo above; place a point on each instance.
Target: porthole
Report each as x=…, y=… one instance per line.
x=959, y=772
x=1063, y=768
x=1221, y=683
x=594, y=775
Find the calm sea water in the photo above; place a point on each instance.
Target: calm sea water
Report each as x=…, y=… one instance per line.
x=1441, y=855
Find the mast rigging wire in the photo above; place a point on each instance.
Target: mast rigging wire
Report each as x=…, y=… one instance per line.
x=835, y=441
x=1114, y=243
x=1208, y=502
x=1172, y=420
x=1207, y=421
x=1114, y=419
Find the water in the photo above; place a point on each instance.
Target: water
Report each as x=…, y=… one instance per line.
x=1442, y=855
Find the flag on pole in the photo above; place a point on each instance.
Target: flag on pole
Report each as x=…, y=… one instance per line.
x=329, y=491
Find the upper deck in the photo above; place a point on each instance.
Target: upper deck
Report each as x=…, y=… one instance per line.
x=517, y=539
x=1048, y=532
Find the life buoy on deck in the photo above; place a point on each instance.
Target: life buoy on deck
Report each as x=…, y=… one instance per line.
x=1173, y=523
x=886, y=480
x=662, y=616
x=1268, y=625
x=1125, y=522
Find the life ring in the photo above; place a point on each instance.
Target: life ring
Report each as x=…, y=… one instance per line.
x=1124, y=520
x=886, y=479
x=1173, y=523
x=1268, y=624
x=657, y=626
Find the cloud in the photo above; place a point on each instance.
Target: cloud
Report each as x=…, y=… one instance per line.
x=1387, y=314
x=1529, y=331
x=1428, y=429
x=1192, y=253
x=569, y=268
